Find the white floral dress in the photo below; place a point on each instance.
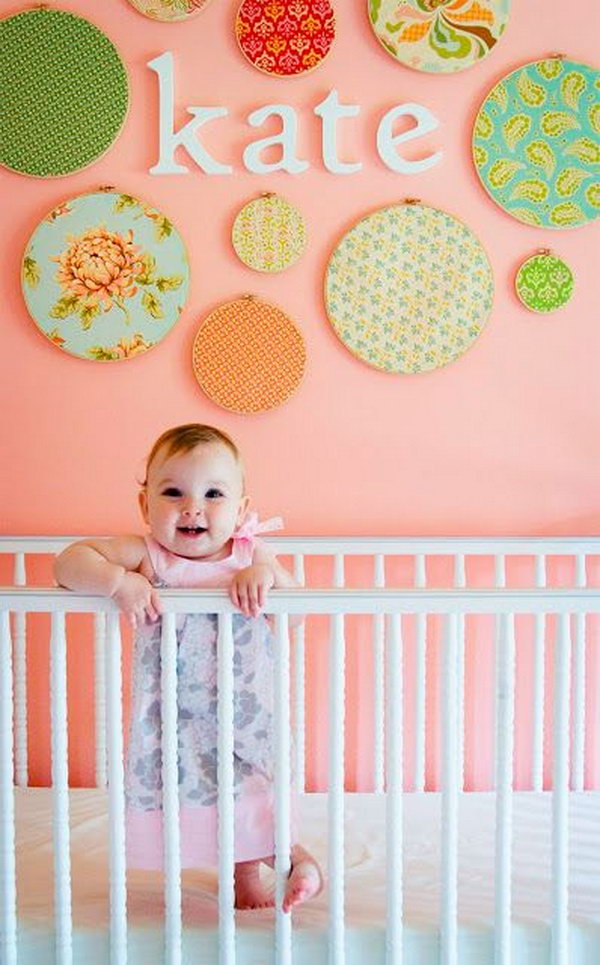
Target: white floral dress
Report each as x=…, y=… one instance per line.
x=197, y=721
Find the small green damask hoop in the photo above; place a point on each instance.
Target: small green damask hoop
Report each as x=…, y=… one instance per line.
x=544, y=283
x=536, y=143
x=439, y=36
x=105, y=276
x=64, y=93
x=408, y=289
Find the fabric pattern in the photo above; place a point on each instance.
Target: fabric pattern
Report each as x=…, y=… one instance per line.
x=536, y=143
x=269, y=234
x=64, y=93
x=439, y=36
x=248, y=356
x=544, y=283
x=197, y=713
x=169, y=11
x=408, y=289
x=285, y=37
x=105, y=276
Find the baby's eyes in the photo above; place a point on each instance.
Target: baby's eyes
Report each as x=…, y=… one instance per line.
x=171, y=491
x=213, y=494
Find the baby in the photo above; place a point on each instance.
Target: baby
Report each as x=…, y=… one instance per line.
x=194, y=504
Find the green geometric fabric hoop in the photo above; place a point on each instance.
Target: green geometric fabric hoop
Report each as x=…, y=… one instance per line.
x=536, y=143
x=544, y=283
x=64, y=93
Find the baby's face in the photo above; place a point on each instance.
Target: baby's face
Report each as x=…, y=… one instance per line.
x=194, y=500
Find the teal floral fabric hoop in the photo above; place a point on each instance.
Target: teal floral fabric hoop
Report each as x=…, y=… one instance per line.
x=105, y=276
x=544, y=283
x=408, y=288
x=536, y=144
x=65, y=93
x=439, y=36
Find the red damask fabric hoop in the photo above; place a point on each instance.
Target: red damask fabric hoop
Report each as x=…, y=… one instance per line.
x=285, y=37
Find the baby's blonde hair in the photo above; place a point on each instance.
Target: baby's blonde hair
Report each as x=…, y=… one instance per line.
x=187, y=437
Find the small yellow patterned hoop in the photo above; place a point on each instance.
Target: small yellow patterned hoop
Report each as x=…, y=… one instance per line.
x=269, y=234
x=248, y=356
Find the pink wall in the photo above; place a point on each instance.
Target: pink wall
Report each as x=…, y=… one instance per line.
x=503, y=441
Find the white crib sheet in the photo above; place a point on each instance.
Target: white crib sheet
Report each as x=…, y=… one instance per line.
x=365, y=903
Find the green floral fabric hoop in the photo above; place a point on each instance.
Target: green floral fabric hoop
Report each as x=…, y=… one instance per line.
x=64, y=93
x=105, y=276
x=439, y=36
x=408, y=288
x=536, y=144
x=544, y=283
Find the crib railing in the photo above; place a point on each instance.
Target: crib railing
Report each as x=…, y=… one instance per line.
x=466, y=556
x=395, y=607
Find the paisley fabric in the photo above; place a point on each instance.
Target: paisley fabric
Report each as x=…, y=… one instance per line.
x=197, y=721
x=439, y=36
x=536, y=143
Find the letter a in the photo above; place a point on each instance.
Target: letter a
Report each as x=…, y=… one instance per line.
x=287, y=138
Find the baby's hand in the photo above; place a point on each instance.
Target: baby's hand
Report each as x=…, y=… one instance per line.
x=249, y=588
x=137, y=599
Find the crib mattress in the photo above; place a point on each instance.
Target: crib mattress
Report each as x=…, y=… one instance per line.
x=365, y=885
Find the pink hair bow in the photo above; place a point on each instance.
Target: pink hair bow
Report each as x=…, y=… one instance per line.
x=251, y=527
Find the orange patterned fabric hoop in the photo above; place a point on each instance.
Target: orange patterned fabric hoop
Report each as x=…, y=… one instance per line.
x=285, y=37
x=248, y=356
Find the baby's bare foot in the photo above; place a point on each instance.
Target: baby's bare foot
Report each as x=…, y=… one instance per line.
x=305, y=878
x=250, y=892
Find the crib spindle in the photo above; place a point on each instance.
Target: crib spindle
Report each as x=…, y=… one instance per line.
x=60, y=791
x=394, y=830
x=560, y=793
x=539, y=683
x=116, y=801
x=170, y=783
x=100, y=672
x=8, y=892
x=450, y=788
x=378, y=682
x=300, y=687
x=20, y=680
x=226, y=786
x=336, y=792
x=505, y=710
x=579, y=689
x=420, y=680
x=283, y=921
x=460, y=582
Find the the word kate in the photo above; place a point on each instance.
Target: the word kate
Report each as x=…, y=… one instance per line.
x=329, y=110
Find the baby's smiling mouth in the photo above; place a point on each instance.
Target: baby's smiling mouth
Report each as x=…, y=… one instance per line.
x=191, y=530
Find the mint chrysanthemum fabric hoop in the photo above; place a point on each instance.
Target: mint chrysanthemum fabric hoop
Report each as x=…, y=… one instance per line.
x=65, y=93
x=544, y=283
x=105, y=276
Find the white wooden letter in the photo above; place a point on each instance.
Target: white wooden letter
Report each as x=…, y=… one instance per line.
x=169, y=139
x=330, y=111
x=386, y=140
x=286, y=138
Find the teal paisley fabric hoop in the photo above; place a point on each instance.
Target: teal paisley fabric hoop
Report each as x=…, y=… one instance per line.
x=536, y=143
x=105, y=276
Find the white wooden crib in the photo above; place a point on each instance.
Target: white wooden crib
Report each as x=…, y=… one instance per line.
x=415, y=873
